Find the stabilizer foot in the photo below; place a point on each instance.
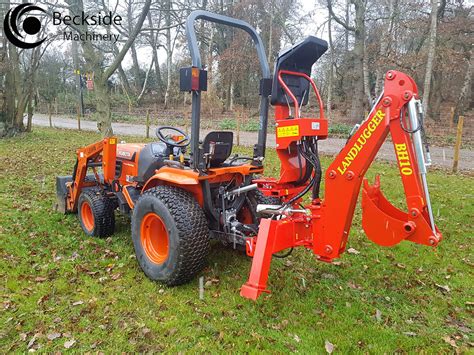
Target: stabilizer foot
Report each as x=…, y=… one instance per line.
x=262, y=257
x=252, y=292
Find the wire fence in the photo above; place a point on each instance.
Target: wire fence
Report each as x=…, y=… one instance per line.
x=440, y=132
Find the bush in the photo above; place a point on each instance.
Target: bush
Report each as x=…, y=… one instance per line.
x=340, y=129
x=251, y=126
x=228, y=124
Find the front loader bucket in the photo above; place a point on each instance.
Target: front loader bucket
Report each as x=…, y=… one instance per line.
x=61, y=193
x=386, y=225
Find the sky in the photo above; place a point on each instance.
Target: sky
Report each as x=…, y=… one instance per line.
x=318, y=18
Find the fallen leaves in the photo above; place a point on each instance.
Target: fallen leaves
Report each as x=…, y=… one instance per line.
x=42, y=299
x=53, y=336
x=40, y=279
x=353, y=251
x=31, y=342
x=450, y=341
x=443, y=288
x=327, y=276
x=328, y=346
x=378, y=315
x=210, y=282
x=353, y=285
x=116, y=276
x=69, y=343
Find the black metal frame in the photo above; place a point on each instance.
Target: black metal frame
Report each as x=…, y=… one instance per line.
x=197, y=162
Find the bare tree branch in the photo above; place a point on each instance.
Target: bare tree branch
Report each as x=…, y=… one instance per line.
x=118, y=59
x=338, y=20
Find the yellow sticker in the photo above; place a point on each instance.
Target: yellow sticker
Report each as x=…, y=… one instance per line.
x=112, y=141
x=288, y=131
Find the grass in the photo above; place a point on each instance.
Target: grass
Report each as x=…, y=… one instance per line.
x=61, y=288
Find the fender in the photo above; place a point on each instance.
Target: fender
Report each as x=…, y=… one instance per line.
x=185, y=179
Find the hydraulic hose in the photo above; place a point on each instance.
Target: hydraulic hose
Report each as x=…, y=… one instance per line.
x=317, y=170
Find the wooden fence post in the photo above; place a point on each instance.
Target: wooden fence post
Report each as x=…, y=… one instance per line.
x=49, y=115
x=457, y=147
x=239, y=117
x=148, y=123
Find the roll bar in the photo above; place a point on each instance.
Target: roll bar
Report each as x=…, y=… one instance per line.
x=196, y=151
x=228, y=21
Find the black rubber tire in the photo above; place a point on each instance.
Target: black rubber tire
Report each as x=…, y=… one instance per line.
x=256, y=197
x=260, y=198
x=188, y=234
x=102, y=210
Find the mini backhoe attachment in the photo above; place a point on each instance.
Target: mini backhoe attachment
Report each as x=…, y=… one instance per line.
x=323, y=225
x=179, y=199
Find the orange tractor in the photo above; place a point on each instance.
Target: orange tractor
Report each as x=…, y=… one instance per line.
x=180, y=200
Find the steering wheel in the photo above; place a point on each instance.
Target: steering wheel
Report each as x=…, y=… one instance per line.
x=184, y=142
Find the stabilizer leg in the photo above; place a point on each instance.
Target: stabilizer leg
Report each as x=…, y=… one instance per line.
x=257, y=282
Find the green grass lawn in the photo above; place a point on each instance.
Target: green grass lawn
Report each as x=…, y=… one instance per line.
x=62, y=289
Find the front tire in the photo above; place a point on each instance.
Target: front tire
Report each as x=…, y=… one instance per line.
x=96, y=213
x=170, y=235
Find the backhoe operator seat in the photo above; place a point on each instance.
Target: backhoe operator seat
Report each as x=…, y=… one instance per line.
x=299, y=58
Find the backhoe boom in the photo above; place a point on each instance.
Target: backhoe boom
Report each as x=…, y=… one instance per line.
x=324, y=225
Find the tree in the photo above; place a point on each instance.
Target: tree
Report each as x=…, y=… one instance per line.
x=18, y=74
x=95, y=58
x=49, y=79
x=357, y=106
x=465, y=97
x=431, y=54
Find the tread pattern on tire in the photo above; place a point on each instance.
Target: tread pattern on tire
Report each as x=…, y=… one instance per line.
x=193, y=230
x=103, y=211
x=266, y=200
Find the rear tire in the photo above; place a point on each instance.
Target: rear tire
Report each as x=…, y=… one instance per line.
x=170, y=235
x=256, y=197
x=96, y=213
x=261, y=199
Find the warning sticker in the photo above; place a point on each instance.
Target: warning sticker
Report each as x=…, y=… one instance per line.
x=288, y=131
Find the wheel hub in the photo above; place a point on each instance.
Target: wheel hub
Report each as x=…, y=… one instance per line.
x=87, y=216
x=154, y=238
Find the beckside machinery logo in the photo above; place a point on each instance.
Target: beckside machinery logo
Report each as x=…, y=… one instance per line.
x=19, y=18
x=31, y=25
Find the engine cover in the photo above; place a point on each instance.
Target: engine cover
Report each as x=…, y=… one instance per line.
x=141, y=160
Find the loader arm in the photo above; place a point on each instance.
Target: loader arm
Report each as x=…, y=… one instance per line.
x=99, y=154
x=324, y=225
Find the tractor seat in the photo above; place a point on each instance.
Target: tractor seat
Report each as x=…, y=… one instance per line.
x=217, y=147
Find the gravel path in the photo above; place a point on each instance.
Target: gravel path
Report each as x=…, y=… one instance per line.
x=441, y=156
